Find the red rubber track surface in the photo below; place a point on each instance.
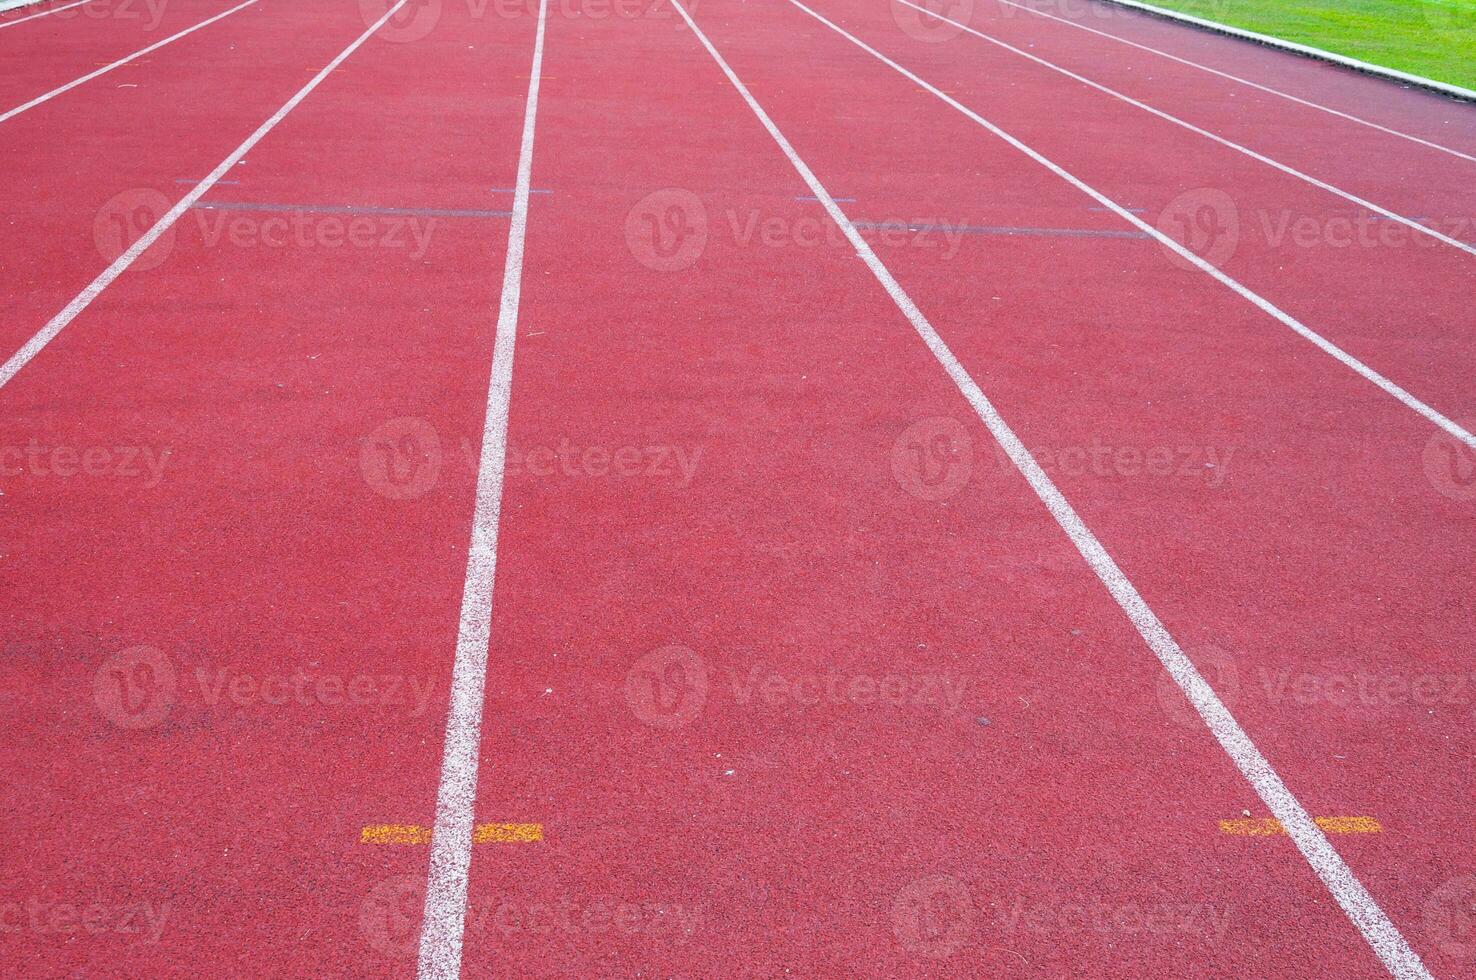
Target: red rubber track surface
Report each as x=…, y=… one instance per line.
x=261, y=552
x=717, y=546
x=46, y=52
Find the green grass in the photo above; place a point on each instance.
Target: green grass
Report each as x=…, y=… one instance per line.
x=1434, y=38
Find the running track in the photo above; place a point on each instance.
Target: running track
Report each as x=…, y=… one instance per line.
x=950, y=487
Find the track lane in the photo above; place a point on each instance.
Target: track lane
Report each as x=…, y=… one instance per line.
x=89, y=177
x=790, y=553
x=1008, y=7
x=1257, y=568
x=774, y=357
x=1410, y=180
x=128, y=59
x=52, y=51
x=293, y=532
x=1386, y=299
x=19, y=15
x=1428, y=115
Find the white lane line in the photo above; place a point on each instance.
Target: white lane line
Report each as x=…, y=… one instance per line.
x=1261, y=303
x=22, y=20
x=121, y=61
x=1236, y=78
x=1313, y=843
x=444, y=925
x=1259, y=157
x=53, y=327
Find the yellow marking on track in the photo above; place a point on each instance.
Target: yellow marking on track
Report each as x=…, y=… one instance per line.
x=1270, y=826
x=507, y=833
x=393, y=833
x=485, y=833
x=1350, y=825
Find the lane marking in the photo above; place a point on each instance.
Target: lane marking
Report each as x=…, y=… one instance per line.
x=1255, y=85
x=1001, y=230
x=1359, y=905
x=83, y=299
x=348, y=209
x=444, y=925
x=484, y=833
x=1270, y=826
x=53, y=10
x=1261, y=303
x=1238, y=148
x=121, y=61
x=507, y=833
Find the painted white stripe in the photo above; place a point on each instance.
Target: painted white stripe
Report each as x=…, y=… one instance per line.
x=1261, y=158
x=1313, y=843
x=1265, y=305
x=47, y=333
x=444, y=925
x=121, y=61
x=1236, y=78
x=44, y=13
x=1304, y=49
